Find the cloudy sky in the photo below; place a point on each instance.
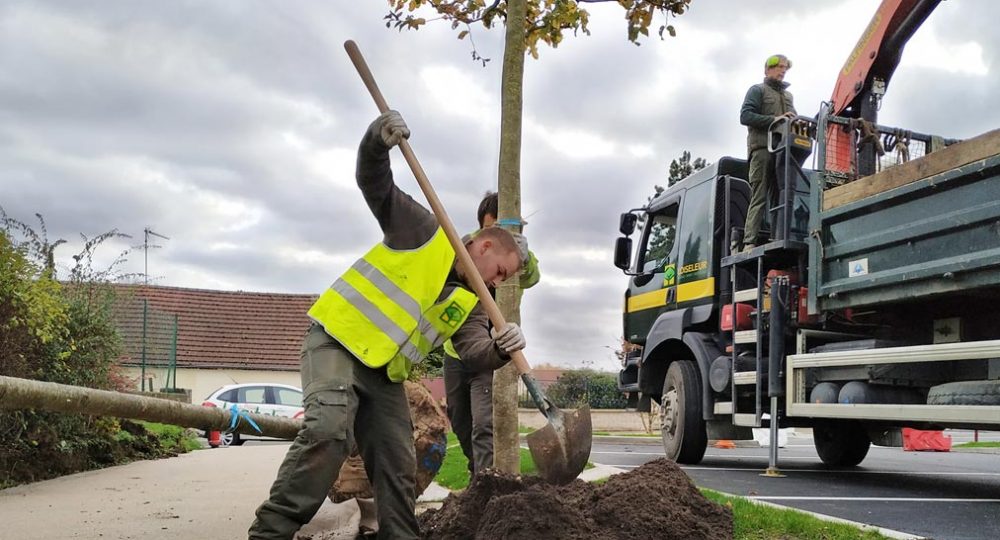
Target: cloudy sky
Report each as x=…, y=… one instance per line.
x=231, y=127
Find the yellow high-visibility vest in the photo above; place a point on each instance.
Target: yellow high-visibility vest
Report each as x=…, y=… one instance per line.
x=384, y=308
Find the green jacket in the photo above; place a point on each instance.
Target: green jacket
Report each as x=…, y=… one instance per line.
x=762, y=103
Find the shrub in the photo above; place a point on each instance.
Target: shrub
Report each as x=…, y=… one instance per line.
x=585, y=386
x=64, y=333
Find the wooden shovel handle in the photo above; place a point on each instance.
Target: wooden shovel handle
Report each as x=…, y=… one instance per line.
x=464, y=260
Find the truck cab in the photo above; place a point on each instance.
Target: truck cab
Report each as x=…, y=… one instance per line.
x=677, y=290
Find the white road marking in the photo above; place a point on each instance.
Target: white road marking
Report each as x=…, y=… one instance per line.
x=592, y=452
x=888, y=499
x=910, y=473
x=780, y=458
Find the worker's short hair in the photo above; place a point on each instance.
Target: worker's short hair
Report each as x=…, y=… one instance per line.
x=490, y=205
x=776, y=59
x=509, y=240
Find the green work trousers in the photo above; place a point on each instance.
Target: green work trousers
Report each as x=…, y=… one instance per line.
x=470, y=411
x=345, y=401
x=763, y=186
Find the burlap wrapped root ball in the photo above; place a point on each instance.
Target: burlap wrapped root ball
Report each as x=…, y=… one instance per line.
x=430, y=440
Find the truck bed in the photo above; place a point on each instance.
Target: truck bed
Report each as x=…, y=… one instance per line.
x=926, y=227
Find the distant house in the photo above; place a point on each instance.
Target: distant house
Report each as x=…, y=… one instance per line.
x=546, y=375
x=202, y=339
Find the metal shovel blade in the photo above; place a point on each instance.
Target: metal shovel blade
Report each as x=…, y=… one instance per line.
x=562, y=447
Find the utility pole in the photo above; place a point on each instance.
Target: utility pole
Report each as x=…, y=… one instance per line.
x=145, y=303
x=145, y=251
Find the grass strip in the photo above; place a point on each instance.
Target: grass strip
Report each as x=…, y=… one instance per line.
x=980, y=444
x=754, y=521
x=454, y=473
x=173, y=438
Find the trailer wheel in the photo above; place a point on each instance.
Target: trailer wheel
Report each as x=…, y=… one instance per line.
x=841, y=443
x=684, y=436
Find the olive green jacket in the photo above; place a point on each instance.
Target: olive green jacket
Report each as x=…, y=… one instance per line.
x=762, y=103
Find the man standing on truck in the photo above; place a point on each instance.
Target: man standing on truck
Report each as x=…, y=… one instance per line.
x=393, y=306
x=468, y=381
x=763, y=104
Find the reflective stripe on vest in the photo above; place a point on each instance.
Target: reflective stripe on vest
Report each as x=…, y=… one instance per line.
x=384, y=310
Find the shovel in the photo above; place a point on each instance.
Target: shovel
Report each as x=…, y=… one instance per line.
x=561, y=448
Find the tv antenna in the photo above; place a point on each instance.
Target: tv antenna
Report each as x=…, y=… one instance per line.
x=145, y=249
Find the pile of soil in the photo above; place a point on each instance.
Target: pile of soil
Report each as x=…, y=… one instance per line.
x=656, y=500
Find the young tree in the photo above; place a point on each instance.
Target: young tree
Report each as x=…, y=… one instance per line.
x=527, y=22
x=680, y=169
x=683, y=167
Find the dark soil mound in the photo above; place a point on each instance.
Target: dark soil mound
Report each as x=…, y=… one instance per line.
x=656, y=500
x=49, y=445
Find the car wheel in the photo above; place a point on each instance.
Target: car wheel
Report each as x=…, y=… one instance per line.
x=230, y=439
x=841, y=443
x=684, y=436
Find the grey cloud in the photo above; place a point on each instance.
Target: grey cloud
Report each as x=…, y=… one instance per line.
x=204, y=95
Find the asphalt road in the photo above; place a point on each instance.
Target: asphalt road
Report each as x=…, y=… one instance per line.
x=945, y=496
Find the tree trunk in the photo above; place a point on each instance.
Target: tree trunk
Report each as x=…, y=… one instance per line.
x=28, y=394
x=506, y=454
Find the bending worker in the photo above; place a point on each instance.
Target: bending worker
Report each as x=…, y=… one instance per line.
x=468, y=381
x=764, y=103
x=393, y=306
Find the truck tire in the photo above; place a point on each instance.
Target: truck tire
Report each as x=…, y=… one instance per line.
x=965, y=393
x=841, y=443
x=684, y=436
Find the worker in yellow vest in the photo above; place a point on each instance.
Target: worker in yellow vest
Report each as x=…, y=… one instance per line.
x=398, y=302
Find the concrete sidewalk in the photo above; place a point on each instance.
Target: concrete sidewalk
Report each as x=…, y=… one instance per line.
x=203, y=494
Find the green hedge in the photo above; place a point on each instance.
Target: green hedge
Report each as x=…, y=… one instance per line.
x=583, y=386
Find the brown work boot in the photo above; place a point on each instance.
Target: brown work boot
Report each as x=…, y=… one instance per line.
x=748, y=247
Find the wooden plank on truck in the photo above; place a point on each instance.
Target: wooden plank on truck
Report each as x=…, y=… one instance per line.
x=956, y=155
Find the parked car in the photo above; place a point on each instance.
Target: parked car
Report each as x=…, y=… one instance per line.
x=258, y=398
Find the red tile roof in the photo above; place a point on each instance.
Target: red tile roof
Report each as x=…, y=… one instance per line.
x=215, y=329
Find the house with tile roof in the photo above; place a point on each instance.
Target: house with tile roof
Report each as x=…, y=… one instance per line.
x=201, y=339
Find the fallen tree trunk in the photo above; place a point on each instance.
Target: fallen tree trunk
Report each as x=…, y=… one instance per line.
x=429, y=435
x=18, y=393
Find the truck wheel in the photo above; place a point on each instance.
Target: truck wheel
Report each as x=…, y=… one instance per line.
x=841, y=443
x=683, y=428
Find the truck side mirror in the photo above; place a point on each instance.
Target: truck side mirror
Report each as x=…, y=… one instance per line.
x=623, y=252
x=626, y=224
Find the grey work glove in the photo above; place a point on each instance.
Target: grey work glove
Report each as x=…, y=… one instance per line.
x=510, y=339
x=391, y=128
